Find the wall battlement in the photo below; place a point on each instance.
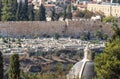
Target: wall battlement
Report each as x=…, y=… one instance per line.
x=41, y=28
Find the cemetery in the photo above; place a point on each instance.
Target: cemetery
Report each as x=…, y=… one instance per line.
x=36, y=54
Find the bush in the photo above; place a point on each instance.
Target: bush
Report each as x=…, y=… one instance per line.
x=56, y=36
x=109, y=19
x=4, y=40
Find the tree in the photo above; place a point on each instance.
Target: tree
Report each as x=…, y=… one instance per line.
x=22, y=11
x=104, y=36
x=74, y=8
x=119, y=1
x=84, y=14
x=30, y=13
x=7, y=14
x=88, y=14
x=79, y=14
x=42, y=14
x=56, y=36
x=69, y=12
x=25, y=10
x=59, y=69
x=0, y=9
x=115, y=1
x=107, y=64
x=14, y=7
x=109, y=19
x=98, y=34
x=53, y=15
x=18, y=11
x=116, y=30
x=36, y=17
x=14, y=69
x=64, y=14
x=1, y=66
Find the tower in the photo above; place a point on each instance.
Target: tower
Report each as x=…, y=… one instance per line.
x=84, y=68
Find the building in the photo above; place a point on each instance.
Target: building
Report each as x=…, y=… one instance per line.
x=65, y=2
x=109, y=9
x=83, y=69
x=51, y=0
x=82, y=4
x=82, y=1
x=37, y=3
x=60, y=2
x=102, y=0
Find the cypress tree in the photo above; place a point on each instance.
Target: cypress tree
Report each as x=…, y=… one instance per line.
x=18, y=14
x=64, y=14
x=119, y=1
x=14, y=7
x=53, y=15
x=115, y=1
x=22, y=11
x=42, y=14
x=36, y=18
x=1, y=66
x=14, y=71
x=7, y=14
x=30, y=13
x=25, y=11
x=0, y=9
x=69, y=13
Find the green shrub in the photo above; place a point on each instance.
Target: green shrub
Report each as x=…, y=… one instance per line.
x=56, y=36
x=109, y=19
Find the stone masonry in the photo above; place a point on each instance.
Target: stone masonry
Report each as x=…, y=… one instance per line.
x=42, y=28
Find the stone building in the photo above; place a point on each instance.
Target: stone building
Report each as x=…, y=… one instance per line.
x=37, y=3
x=109, y=9
x=83, y=69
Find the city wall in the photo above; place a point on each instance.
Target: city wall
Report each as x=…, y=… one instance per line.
x=44, y=28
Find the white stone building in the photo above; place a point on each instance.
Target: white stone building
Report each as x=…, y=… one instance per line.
x=37, y=3
x=83, y=69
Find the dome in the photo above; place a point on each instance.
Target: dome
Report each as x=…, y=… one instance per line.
x=83, y=69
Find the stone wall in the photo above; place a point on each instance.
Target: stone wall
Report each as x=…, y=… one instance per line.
x=43, y=28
